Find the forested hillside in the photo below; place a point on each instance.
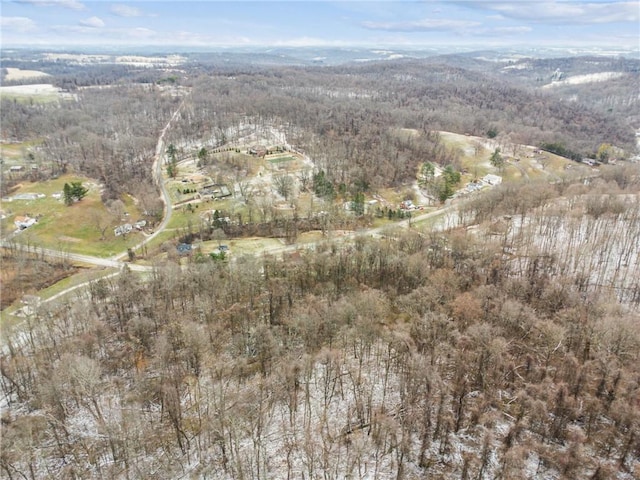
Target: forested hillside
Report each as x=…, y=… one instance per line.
x=108, y=134
x=498, y=336
x=468, y=354
x=345, y=116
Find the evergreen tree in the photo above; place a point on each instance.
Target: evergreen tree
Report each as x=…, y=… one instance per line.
x=78, y=191
x=497, y=159
x=68, y=196
x=322, y=186
x=202, y=156
x=74, y=192
x=357, y=204
x=172, y=167
x=449, y=179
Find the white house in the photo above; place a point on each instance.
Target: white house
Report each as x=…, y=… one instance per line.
x=123, y=229
x=24, y=222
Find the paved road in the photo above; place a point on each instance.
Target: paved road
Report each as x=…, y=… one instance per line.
x=103, y=262
x=368, y=232
x=116, y=260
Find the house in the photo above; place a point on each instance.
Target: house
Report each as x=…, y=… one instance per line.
x=123, y=229
x=16, y=168
x=258, y=150
x=407, y=205
x=214, y=191
x=22, y=222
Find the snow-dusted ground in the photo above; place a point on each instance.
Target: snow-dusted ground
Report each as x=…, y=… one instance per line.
x=588, y=78
x=601, y=252
x=352, y=410
x=344, y=412
x=38, y=89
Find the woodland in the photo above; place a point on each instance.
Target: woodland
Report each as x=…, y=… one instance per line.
x=506, y=346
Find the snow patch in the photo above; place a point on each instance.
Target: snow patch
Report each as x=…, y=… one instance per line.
x=588, y=78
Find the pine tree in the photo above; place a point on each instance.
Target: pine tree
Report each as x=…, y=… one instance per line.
x=74, y=192
x=496, y=159
x=78, y=191
x=68, y=195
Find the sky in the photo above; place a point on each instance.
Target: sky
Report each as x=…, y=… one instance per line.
x=390, y=23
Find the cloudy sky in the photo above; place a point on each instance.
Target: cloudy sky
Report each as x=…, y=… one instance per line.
x=320, y=22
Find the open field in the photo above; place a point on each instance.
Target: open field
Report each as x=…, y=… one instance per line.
x=42, y=93
x=357, y=299
x=244, y=246
x=522, y=162
x=78, y=228
x=76, y=281
x=16, y=151
x=156, y=243
x=51, y=279
x=280, y=159
x=20, y=74
x=75, y=228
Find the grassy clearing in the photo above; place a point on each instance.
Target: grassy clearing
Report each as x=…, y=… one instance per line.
x=72, y=228
x=281, y=159
x=245, y=246
x=164, y=236
x=186, y=215
x=469, y=144
x=17, y=151
x=21, y=74
x=394, y=196
x=31, y=94
x=310, y=237
x=428, y=224
x=382, y=222
x=7, y=318
x=32, y=99
x=181, y=219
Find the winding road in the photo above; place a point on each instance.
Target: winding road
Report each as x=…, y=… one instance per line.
x=117, y=261
x=164, y=194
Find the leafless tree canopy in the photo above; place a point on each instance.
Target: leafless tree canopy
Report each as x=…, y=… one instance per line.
x=409, y=356
x=506, y=347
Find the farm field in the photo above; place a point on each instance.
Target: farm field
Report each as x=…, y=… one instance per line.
x=39, y=93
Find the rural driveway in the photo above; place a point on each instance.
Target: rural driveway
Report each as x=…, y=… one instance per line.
x=164, y=194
